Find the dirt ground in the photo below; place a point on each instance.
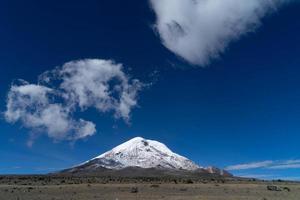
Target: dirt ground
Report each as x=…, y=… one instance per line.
x=199, y=191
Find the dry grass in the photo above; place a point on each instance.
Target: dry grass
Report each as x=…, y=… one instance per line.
x=167, y=191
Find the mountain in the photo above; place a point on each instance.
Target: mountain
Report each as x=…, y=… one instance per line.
x=215, y=170
x=139, y=153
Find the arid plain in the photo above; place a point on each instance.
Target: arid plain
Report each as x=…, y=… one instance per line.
x=89, y=189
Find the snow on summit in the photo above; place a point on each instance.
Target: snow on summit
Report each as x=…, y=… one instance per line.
x=143, y=153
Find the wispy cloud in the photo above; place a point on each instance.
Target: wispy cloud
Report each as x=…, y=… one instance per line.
x=285, y=166
x=269, y=177
x=252, y=165
x=258, y=176
x=269, y=164
x=49, y=106
x=291, y=161
x=200, y=30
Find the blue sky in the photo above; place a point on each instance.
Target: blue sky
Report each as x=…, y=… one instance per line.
x=241, y=108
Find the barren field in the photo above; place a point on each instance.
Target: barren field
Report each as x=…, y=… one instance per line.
x=150, y=191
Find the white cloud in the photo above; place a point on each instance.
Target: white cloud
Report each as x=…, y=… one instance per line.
x=277, y=164
x=32, y=105
x=291, y=161
x=269, y=177
x=252, y=165
x=200, y=30
x=49, y=106
x=286, y=166
x=101, y=84
x=258, y=176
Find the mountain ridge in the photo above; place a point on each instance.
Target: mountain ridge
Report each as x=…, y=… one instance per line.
x=140, y=153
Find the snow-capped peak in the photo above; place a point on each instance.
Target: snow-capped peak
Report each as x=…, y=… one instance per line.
x=136, y=144
x=143, y=153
